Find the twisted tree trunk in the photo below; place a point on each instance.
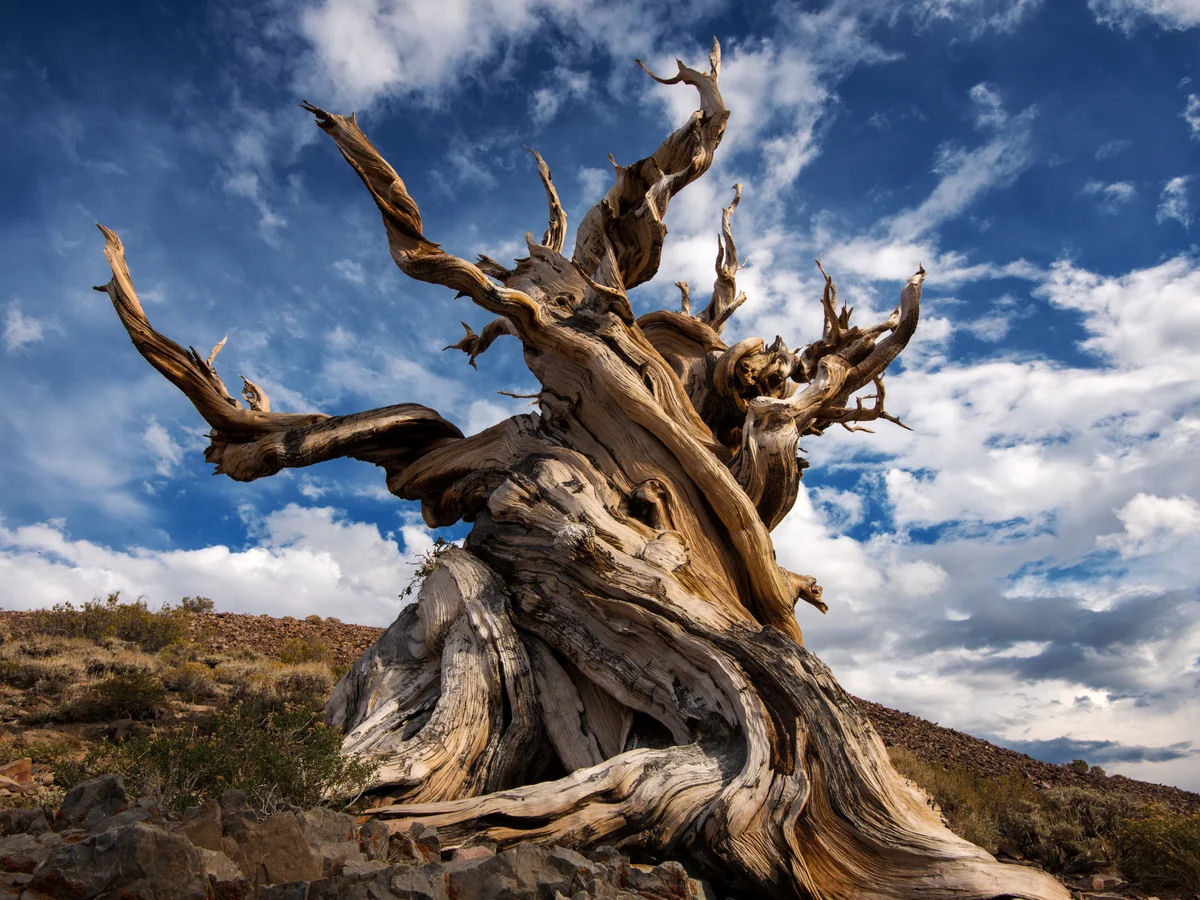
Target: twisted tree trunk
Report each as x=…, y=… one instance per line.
x=613, y=655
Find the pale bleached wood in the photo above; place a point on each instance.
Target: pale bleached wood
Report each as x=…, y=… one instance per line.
x=613, y=655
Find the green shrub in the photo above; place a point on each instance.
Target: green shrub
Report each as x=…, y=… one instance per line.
x=303, y=650
x=1078, y=766
x=1066, y=830
x=196, y=604
x=277, y=753
x=1161, y=851
x=313, y=619
x=193, y=681
x=98, y=620
x=130, y=696
x=304, y=686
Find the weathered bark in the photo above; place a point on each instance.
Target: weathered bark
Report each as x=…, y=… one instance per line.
x=613, y=655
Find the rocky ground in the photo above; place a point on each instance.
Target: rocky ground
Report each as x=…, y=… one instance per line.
x=99, y=842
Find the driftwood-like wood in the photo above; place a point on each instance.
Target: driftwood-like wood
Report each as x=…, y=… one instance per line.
x=613, y=654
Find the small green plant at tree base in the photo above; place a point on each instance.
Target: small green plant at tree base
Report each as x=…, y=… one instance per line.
x=424, y=565
x=278, y=753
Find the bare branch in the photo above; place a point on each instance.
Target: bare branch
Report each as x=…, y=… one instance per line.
x=413, y=253
x=556, y=231
x=625, y=228
x=474, y=344
x=255, y=396
x=186, y=369
x=725, y=296
x=685, y=300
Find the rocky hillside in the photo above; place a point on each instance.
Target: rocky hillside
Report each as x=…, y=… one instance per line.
x=78, y=691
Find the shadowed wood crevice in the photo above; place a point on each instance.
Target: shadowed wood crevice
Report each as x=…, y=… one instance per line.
x=612, y=655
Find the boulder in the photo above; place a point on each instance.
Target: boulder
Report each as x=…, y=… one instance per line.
x=19, y=771
x=202, y=826
x=92, y=801
x=333, y=839
x=273, y=851
x=136, y=860
x=25, y=852
x=23, y=820
x=526, y=870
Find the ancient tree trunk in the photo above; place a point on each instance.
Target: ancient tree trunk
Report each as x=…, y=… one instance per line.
x=613, y=655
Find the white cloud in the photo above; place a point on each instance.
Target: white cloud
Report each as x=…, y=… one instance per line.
x=351, y=270
x=1139, y=321
x=966, y=174
x=1128, y=14
x=1154, y=524
x=1111, y=197
x=989, y=109
x=979, y=16
x=563, y=85
x=166, y=452
x=1032, y=477
x=1191, y=115
x=1173, y=203
x=303, y=560
x=247, y=184
x=1112, y=149
x=21, y=330
x=593, y=183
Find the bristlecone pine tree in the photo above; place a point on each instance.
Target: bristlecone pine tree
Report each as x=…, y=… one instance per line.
x=613, y=655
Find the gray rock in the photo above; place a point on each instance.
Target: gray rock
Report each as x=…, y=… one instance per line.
x=219, y=867
x=273, y=851
x=25, y=852
x=526, y=870
x=373, y=839
x=202, y=825
x=93, y=801
x=333, y=839
x=23, y=821
x=139, y=860
x=126, y=817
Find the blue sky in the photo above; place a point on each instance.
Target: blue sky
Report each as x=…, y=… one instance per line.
x=1024, y=565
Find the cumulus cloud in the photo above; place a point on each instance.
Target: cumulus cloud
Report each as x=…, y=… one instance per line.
x=301, y=560
x=1045, y=517
x=1154, y=524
